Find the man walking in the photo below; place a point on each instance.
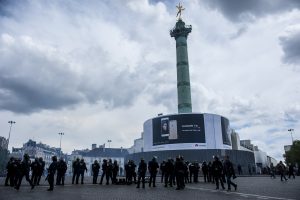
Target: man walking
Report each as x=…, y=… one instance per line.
x=141, y=173
x=51, y=173
x=229, y=173
x=217, y=171
x=24, y=169
x=153, y=167
x=95, y=169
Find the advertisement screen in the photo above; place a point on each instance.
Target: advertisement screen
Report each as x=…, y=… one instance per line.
x=225, y=131
x=178, y=129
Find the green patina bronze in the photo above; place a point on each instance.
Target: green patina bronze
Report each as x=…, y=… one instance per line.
x=180, y=33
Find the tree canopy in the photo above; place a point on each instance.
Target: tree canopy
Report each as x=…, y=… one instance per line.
x=293, y=155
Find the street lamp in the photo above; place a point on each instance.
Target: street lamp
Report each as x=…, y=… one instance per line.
x=291, y=131
x=11, y=123
x=109, y=141
x=61, y=134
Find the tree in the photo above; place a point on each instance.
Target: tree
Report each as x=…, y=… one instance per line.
x=293, y=155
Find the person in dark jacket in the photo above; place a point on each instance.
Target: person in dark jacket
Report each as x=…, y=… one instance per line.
x=104, y=170
x=75, y=167
x=229, y=173
x=281, y=169
x=153, y=167
x=115, y=170
x=95, y=170
x=169, y=171
x=291, y=170
x=217, y=168
x=205, y=171
x=61, y=171
x=162, y=168
x=51, y=173
x=179, y=173
x=142, y=169
x=196, y=171
x=35, y=166
x=10, y=172
x=109, y=171
x=41, y=170
x=211, y=177
x=82, y=168
x=24, y=170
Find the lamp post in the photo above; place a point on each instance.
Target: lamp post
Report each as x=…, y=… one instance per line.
x=11, y=123
x=109, y=141
x=291, y=131
x=61, y=134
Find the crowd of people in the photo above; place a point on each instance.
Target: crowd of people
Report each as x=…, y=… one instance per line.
x=173, y=172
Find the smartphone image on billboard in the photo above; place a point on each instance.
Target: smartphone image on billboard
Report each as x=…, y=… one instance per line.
x=164, y=127
x=173, y=130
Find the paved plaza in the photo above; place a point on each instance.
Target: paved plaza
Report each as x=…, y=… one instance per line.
x=248, y=188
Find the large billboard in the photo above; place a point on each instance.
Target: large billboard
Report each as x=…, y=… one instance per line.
x=173, y=129
x=225, y=131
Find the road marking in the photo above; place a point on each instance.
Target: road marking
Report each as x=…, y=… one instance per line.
x=239, y=193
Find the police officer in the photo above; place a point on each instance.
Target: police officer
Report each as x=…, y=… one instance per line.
x=82, y=168
x=196, y=171
x=179, y=172
x=109, y=170
x=211, y=177
x=217, y=167
x=115, y=171
x=229, y=173
x=18, y=171
x=162, y=168
x=169, y=171
x=10, y=172
x=132, y=170
x=23, y=170
x=191, y=170
x=153, y=167
x=75, y=167
x=142, y=169
x=95, y=170
x=61, y=171
x=291, y=170
x=51, y=172
x=104, y=170
x=128, y=178
x=205, y=171
x=41, y=169
x=281, y=169
x=35, y=166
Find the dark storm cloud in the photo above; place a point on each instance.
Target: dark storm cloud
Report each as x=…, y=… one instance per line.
x=31, y=81
x=44, y=68
x=248, y=10
x=291, y=48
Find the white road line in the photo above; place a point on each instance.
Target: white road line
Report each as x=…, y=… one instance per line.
x=241, y=194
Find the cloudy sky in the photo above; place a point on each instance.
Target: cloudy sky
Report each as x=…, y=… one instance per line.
x=96, y=70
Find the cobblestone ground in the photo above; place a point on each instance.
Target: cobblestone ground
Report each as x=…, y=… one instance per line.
x=248, y=188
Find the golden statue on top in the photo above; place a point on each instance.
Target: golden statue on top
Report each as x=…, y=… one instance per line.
x=180, y=9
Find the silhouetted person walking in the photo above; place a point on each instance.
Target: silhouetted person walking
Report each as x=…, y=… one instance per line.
x=10, y=172
x=142, y=169
x=24, y=170
x=51, y=173
x=217, y=171
x=281, y=170
x=95, y=170
x=76, y=168
x=229, y=173
x=153, y=167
